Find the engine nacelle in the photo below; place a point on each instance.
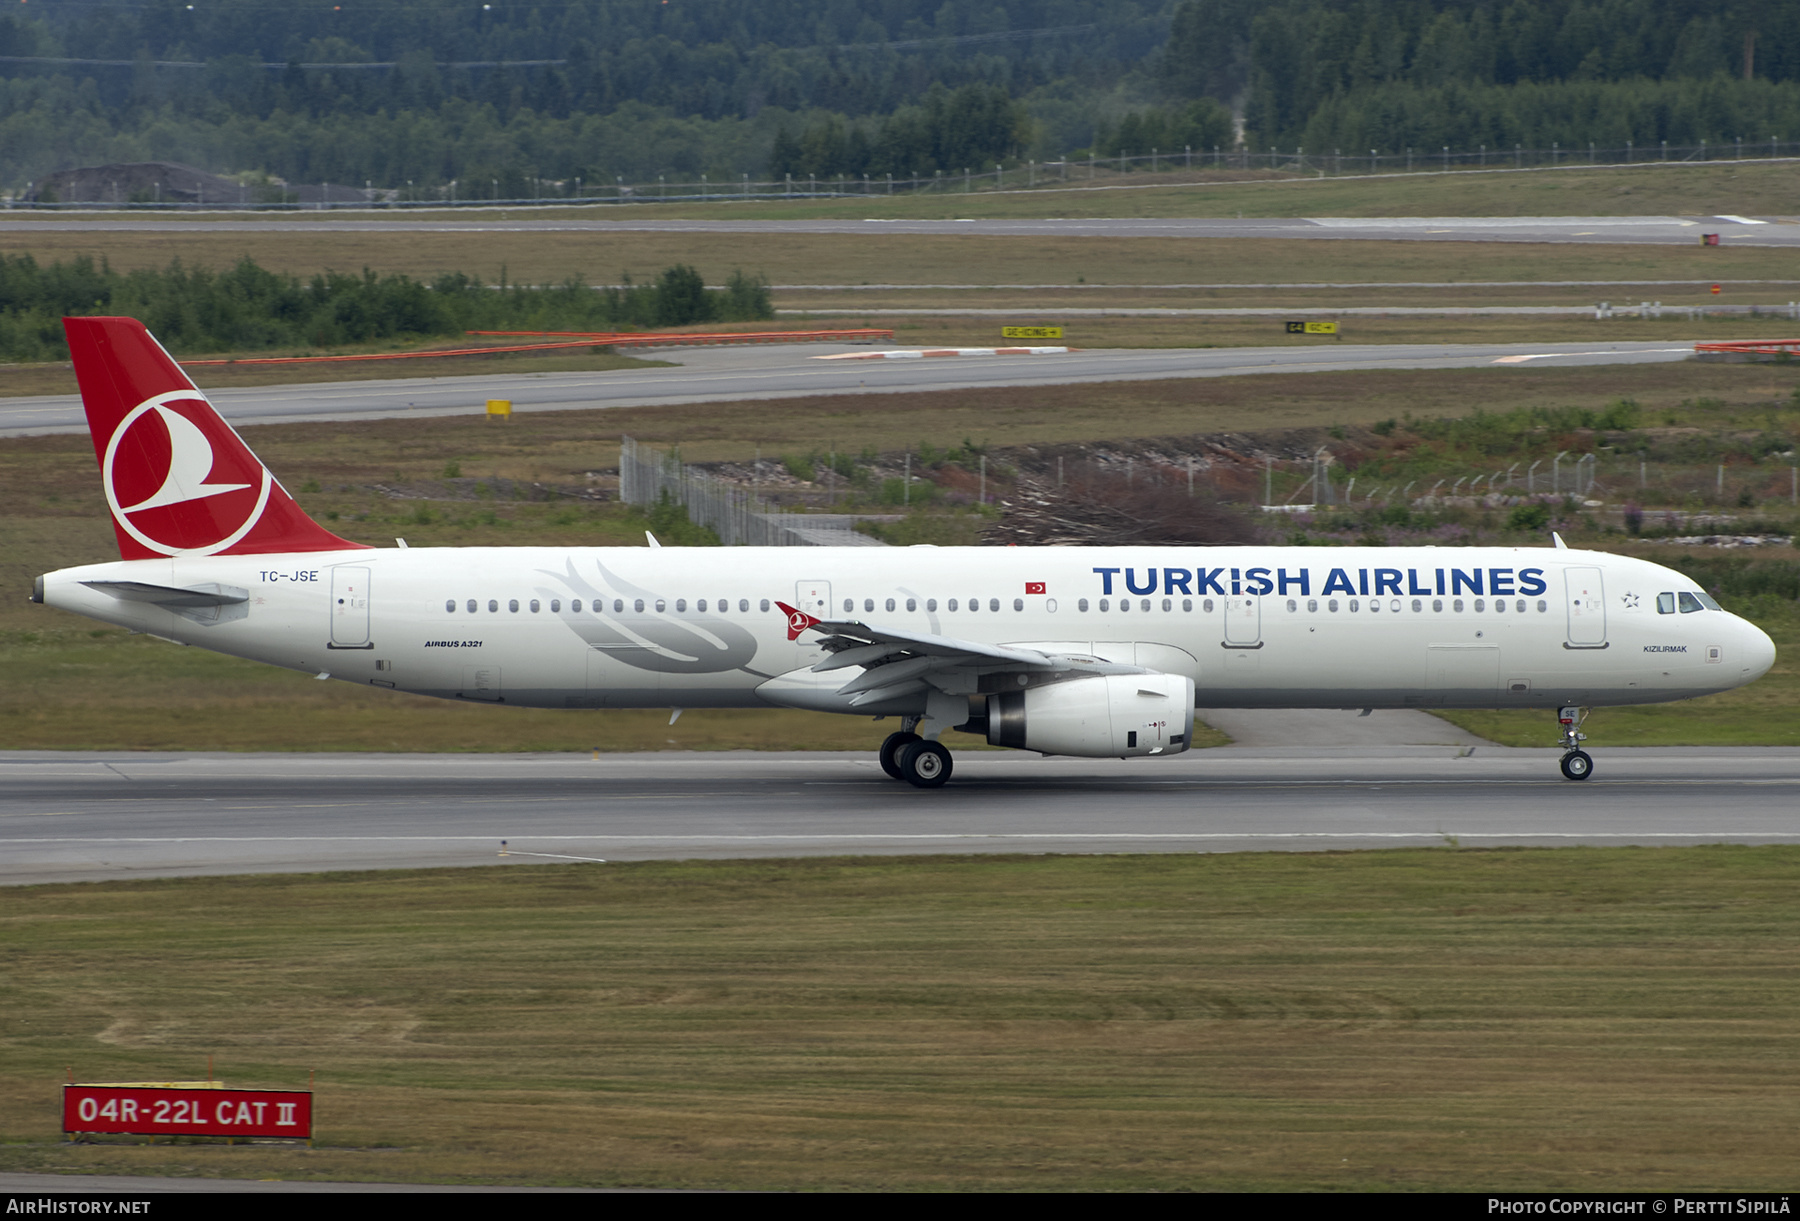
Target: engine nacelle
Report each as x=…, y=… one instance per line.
x=1112, y=716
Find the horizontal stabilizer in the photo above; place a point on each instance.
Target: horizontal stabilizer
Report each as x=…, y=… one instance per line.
x=170, y=596
x=208, y=604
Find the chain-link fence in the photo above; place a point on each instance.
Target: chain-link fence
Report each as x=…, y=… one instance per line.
x=739, y=517
x=1026, y=175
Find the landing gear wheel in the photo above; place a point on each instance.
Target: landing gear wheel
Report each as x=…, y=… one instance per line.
x=890, y=752
x=1576, y=765
x=925, y=765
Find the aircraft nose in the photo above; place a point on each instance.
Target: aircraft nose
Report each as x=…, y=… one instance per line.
x=1758, y=651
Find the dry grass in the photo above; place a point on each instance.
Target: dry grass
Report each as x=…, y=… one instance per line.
x=1592, y=1020
x=1269, y=332
x=1754, y=188
x=809, y=258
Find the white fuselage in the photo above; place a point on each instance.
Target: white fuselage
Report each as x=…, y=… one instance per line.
x=573, y=627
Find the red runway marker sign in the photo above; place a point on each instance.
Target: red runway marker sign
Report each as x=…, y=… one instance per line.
x=151, y=1111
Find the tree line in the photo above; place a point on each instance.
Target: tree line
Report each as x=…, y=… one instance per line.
x=249, y=308
x=1294, y=65
x=430, y=91
x=971, y=128
x=499, y=98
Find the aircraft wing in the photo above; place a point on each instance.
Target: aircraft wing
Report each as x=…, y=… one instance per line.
x=852, y=643
x=896, y=662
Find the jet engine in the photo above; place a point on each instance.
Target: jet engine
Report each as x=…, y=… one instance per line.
x=1112, y=716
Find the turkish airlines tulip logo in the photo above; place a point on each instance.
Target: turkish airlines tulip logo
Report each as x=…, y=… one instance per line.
x=179, y=481
x=798, y=620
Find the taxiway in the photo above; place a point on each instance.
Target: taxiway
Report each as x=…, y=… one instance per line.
x=735, y=374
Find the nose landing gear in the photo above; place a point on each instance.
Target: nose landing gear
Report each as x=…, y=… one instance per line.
x=1576, y=763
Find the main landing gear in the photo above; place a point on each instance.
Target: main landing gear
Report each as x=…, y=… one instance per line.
x=1576, y=764
x=921, y=763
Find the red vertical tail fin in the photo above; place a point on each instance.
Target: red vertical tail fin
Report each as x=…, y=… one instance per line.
x=178, y=479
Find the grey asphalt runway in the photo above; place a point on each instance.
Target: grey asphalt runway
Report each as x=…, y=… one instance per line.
x=1628, y=230
x=788, y=371
x=78, y=816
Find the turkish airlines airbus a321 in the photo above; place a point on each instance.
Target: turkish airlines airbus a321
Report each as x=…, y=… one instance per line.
x=1094, y=652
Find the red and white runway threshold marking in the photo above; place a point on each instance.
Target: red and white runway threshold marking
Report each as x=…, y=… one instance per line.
x=919, y=353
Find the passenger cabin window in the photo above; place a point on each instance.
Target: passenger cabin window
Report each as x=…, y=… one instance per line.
x=471, y=606
x=450, y=606
x=493, y=606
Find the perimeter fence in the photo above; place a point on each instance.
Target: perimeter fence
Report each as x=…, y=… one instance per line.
x=1094, y=169
x=740, y=518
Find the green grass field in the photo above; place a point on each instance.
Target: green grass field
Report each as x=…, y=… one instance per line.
x=1582, y=1020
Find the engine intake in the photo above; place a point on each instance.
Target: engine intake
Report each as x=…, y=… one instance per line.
x=1113, y=716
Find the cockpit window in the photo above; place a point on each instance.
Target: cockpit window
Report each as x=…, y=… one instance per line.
x=1709, y=602
x=1665, y=604
x=1689, y=603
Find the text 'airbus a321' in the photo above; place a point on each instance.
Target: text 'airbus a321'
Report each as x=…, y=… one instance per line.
x=1092, y=652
